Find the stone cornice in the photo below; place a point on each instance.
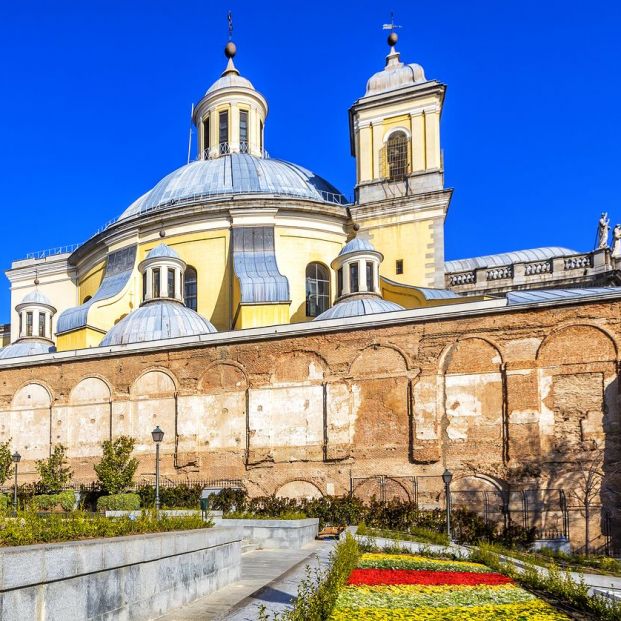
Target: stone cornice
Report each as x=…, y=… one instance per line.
x=311, y=328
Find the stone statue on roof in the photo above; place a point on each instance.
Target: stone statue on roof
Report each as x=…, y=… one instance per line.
x=603, y=229
x=616, y=241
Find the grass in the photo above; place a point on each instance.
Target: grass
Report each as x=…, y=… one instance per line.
x=415, y=533
x=555, y=583
x=602, y=565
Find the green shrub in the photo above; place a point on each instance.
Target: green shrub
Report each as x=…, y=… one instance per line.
x=48, y=502
x=119, y=502
x=117, y=467
x=54, y=471
x=181, y=496
x=30, y=528
x=6, y=461
x=5, y=503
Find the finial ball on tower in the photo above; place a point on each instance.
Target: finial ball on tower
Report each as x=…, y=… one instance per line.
x=392, y=39
x=356, y=227
x=230, y=50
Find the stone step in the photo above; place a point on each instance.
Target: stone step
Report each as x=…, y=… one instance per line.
x=248, y=545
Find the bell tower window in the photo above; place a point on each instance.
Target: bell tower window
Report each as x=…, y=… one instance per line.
x=29, y=323
x=243, y=131
x=397, y=156
x=317, y=289
x=41, y=324
x=223, y=131
x=370, y=276
x=171, y=284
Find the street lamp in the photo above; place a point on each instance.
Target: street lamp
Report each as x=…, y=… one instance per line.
x=16, y=457
x=447, y=477
x=158, y=435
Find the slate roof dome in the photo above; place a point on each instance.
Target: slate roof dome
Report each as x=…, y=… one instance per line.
x=26, y=347
x=162, y=252
x=234, y=173
x=357, y=244
x=157, y=320
x=395, y=74
x=358, y=307
x=36, y=297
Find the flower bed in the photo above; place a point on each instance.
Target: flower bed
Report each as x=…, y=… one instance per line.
x=391, y=587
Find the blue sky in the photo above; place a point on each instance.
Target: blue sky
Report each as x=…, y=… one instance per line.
x=96, y=99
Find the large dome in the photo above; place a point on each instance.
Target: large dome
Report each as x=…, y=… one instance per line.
x=236, y=173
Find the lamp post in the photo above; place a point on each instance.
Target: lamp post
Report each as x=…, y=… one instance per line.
x=16, y=457
x=158, y=435
x=447, y=477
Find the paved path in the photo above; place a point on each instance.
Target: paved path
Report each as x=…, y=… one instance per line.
x=268, y=577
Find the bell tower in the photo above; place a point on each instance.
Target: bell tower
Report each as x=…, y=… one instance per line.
x=400, y=194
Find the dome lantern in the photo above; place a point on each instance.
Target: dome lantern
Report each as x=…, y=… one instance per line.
x=230, y=118
x=358, y=293
x=35, y=313
x=162, y=275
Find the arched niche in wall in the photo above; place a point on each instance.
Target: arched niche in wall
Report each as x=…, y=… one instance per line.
x=152, y=403
x=286, y=417
x=299, y=490
x=473, y=417
x=382, y=488
x=213, y=421
x=27, y=425
x=482, y=494
x=578, y=388
x=380, y=404
x=86, y=418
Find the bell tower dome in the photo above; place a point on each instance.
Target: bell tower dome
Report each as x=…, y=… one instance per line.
x=395, y=131
x=230, y=118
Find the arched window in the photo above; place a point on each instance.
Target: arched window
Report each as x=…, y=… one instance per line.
x=190, y=289
x=317, y=289
x=397, y=156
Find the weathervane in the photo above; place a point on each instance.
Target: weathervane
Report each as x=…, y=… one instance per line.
x=392, y=24
x=229, y=17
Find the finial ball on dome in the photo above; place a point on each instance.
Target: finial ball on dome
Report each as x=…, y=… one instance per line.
x=230, y=49
x=356, y=227
x=392, y=39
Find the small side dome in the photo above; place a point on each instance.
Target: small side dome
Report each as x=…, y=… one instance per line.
x=36, y=297
x=357, y=244
x=26, y=347
x=161, y=319
x=162, y=252
x=359, y=307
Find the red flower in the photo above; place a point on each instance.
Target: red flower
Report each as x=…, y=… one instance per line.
x=415, y=576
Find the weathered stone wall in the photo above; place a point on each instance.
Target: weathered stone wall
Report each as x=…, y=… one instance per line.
x=520, y=399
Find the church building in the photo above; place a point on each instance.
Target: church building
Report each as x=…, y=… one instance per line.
x=304, y=344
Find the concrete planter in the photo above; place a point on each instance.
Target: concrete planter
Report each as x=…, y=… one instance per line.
x=138, y=577
x=277, y=533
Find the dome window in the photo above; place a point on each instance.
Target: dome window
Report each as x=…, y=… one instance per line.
x=370, y=276
x=243, y=131
x=317, y=289
x=223, y=131
x=353, y=277
x=206, y=137
x=190, y=288
x=155, y=287
x=29, y=323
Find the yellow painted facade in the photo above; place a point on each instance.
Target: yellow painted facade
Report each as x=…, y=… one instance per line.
x=403, y=218
x=79, y=339
x=259, y=315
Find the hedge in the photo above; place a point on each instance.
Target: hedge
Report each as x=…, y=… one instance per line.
x=47, y=502
x=118, y=502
